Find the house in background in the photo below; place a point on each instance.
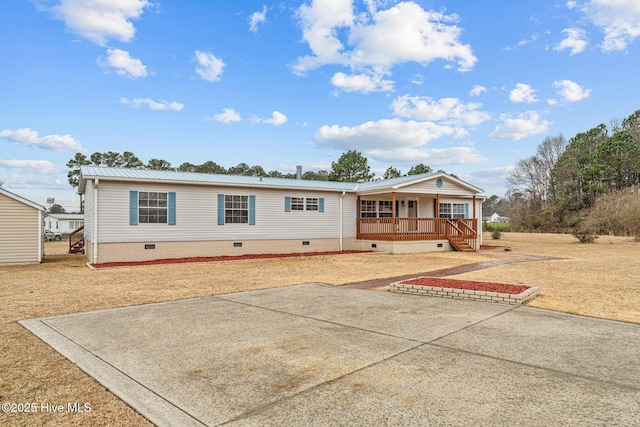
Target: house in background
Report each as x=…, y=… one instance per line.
x=138, y=215
x=21, y=229
x=496, y=218
x=63, y=223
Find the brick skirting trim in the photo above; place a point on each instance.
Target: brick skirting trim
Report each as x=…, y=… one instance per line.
x=433, y=291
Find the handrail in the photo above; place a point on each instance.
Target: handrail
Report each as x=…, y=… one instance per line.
x=469, y=238
x=73, y=240
x=455, y=227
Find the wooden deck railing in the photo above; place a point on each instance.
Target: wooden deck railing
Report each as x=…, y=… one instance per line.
x=407, y=229
x=76, y=240
x=469, y=233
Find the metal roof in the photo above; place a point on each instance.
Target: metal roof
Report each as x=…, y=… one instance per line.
x=126, y=174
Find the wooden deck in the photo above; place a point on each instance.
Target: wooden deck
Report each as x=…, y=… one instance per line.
x=411, y=229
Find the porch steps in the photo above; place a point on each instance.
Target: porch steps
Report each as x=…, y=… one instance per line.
x=77, y=248
x=460, y=245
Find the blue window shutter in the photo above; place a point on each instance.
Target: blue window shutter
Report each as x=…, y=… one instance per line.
x=466, y=210
x=252, y=210
x=133, y=207
x=172, y=208
x=220, y=209
x=321, y=204
x=287, y=204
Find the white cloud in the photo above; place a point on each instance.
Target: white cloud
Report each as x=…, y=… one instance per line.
x=477, y=90
x=531, y=39
x=398, y=142
x=523, y=93
x=228, y=115
x=277, y=119
x=576, y=41
x=153, y=105
x=124, y=64
x=209, y=67
x=493, y=180
x=257, y=18
x=492, y=174
x=418, y=79
x=43, y=167
x=446, y=110
x=99, y=20
x=384, y=135
x=372, y=42
x=571, y=91
x=407, y=33
x=26, y=136
x=619, y=19
x=571, y=4
x=320, y=22
x=409, y=156
x=361, y=83
x=522, y=126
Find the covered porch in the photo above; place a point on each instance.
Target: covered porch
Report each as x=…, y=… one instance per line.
x=407, y=217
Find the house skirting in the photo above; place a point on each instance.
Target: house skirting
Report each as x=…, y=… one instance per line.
x=151, y=250
x=403, y=247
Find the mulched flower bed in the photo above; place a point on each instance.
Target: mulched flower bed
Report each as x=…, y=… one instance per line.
x=219, y=258
x=468, y=284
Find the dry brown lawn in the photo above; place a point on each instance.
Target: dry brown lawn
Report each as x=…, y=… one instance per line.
x=600, y=280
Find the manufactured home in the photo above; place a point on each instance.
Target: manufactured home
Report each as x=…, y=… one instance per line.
x=140, y=215
x=21, y=230
x=63, y=223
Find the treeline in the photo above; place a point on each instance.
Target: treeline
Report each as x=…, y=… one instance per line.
x=352, y=166
x=569, y=186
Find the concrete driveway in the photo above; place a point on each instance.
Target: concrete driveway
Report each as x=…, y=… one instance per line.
x=327, y=356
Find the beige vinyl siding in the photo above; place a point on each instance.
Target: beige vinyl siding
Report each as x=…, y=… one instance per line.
x=20, y=232
x=448, y=188
x=197, y=215
x=429, y=187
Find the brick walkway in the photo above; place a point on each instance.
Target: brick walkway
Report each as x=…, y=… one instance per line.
x=444, y=272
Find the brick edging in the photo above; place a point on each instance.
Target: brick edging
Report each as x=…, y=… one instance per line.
x=443, y=292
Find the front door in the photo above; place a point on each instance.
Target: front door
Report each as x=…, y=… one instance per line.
x=412, y=212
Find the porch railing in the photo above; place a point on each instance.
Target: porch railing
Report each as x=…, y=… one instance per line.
x=407, y=229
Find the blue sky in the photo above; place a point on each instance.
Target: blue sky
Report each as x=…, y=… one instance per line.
x=469, y=87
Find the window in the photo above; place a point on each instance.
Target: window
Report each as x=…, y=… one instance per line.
x=368, y=209
x=297, y=203
x=452, y=210
x=385, y=209
x=458, y=210
x=152, y=207
x=376, y=208
x=73, y=225
x=236, y=209
x=312, y=204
